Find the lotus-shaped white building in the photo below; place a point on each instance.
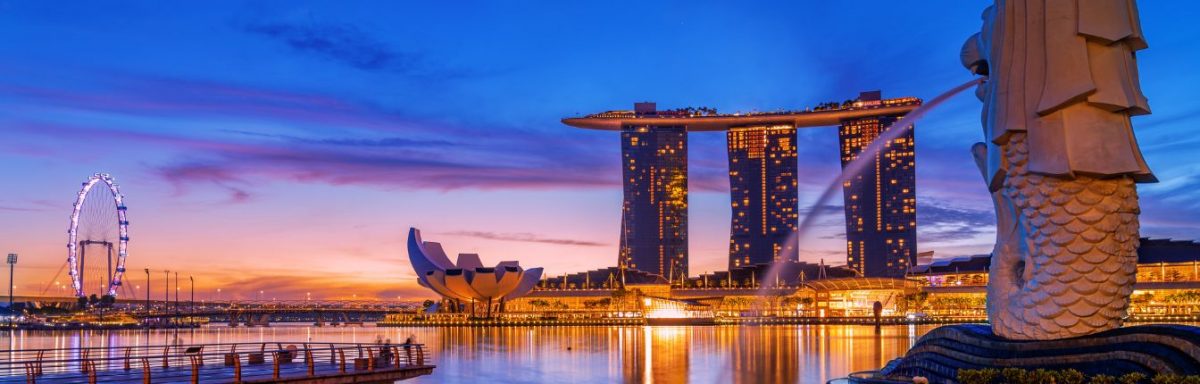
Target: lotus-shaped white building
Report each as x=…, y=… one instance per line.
x=468, y=281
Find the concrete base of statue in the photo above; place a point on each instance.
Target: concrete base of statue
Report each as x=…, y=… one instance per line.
x=1149, y=349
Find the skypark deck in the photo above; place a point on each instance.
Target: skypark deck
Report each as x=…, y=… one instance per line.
x=696, y=122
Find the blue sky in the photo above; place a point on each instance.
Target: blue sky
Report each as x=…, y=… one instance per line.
x=290, y=144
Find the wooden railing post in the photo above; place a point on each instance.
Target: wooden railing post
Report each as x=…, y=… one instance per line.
x=145, y=370
x=370, y=359
x=308, y=360
x=421, y=354
x=197, y=361
x=342, y=354
x=40, y=355
x=275, y=366
x=332, y=355
x=91, y=372
x=83, y=366
x=30, y=372
x=128, y=350
x=237, y=368
x=396, y=353
x=166, y=352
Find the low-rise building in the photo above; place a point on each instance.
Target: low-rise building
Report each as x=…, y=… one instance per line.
x=1168, y=282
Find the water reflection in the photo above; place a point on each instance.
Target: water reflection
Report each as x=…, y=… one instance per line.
x=775, y=354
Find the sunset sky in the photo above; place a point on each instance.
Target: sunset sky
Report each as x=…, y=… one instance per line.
x=288, y=146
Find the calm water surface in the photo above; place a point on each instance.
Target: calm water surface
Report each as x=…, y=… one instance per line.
x=713, y=354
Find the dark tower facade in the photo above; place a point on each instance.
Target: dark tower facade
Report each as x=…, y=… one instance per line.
x=654, y=224
x=881, y=203
x=762, y=183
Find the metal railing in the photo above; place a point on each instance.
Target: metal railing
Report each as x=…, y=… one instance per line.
x=221, y=362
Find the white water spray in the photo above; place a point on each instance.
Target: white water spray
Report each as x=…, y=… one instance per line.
x=856, y=167
x=853, y=168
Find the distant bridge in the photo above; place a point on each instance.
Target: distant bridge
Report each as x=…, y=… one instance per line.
x=262, y=313
x=250, y=312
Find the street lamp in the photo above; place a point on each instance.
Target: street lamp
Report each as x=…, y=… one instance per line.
x=12, y=264
x=166, y=289
x=147, y=289
x=192, y=301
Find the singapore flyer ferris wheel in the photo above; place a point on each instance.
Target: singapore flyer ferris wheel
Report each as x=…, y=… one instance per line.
x=98, y=238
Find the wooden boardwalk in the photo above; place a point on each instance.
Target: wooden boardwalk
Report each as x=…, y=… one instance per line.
x=234, y=363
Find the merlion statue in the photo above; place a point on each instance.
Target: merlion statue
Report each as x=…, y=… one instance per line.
x=1061, y=162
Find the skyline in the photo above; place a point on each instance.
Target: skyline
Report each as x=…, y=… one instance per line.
x=276, y=142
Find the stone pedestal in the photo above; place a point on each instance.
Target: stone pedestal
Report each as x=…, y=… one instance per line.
x=1150, y=349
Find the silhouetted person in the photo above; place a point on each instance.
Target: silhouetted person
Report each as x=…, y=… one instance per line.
x=408, y=343
x=385, y=353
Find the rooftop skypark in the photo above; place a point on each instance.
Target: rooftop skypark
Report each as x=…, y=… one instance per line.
x=708, y=119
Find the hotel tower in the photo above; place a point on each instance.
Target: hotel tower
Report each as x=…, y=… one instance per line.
x=654, y=211
x=880, y=202
x=762, y=193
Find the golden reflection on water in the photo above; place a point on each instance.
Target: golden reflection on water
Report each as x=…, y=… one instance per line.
x=594, y=354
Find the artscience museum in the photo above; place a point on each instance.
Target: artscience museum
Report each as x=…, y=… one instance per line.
x=468, y=284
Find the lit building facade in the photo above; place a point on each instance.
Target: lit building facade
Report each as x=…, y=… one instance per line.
x=654, y=217
x=763, y=173
x=1167, y=288
x=762, y=183
x=880, y=201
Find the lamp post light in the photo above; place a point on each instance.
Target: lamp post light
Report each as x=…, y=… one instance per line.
x=192, y=300
x=12, y=265
x=166, y=289
x=147, y=289
x=176, y=292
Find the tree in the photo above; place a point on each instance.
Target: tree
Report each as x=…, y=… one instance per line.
x=977, y=280
x=594, y=304
x=1174, y=275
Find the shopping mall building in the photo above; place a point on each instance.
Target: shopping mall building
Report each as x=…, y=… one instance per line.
x=1168, y=288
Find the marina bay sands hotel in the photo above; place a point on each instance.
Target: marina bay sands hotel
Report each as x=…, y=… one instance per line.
x=880, y=203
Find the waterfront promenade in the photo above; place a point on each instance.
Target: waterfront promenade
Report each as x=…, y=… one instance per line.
x=219, y=363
